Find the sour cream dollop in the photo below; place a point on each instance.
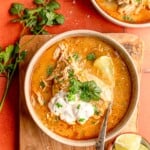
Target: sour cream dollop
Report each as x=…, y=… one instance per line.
x=70, y=111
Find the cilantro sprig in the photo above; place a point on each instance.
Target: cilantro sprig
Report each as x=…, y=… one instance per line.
x=36, y=19
x=87, y=91
x=9, y=59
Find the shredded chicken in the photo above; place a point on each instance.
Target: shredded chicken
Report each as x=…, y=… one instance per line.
x=57, y=53
x=127, y=7
x=65, y=62
x=39, y=98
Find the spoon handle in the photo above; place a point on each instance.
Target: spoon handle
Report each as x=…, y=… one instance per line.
x=100, y=144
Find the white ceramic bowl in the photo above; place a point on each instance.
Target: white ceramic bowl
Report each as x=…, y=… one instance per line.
x=125, y=56
x=115, y=21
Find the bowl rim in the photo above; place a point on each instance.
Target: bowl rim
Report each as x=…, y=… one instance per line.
x=116, y=21
x=74, y=33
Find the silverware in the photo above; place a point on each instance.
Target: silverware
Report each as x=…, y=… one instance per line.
x=100, y=144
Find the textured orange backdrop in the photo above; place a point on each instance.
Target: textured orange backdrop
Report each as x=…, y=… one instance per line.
x=79, y=14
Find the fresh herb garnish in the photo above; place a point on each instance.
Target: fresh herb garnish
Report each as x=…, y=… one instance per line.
x=78, y=107
x=58, y=105
x=42, y=85
x=49, y=70
x=74, y=88
x=16, y=9
x=81, y=120
x=71, y=96
x=9, y=60
x=39, y=1
x=75, y=85
x=36, y=19
x=76, y=56
x=87, y=91
x=91, y=56
x=96, y=112
x=70, y=73
x=127, y=18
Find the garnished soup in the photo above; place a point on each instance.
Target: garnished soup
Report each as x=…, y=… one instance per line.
x=131, y=11
x=74, y=81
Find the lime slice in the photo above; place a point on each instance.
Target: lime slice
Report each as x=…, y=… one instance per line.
x=142, y=147
x=128, y=142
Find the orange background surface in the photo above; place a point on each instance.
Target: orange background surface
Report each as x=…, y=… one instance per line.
x=79, y=14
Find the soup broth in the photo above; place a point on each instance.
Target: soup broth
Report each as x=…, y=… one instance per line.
x=139, y=14
x=78, y=50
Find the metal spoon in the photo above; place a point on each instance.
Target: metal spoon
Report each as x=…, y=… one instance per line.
x=100, y=144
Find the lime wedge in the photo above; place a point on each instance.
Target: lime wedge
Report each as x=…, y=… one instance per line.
x=106, y=67
x=142, y=147
x=128, y=142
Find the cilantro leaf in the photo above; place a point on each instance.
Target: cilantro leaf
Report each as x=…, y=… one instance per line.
x=60, y=19
x=53, y=5
x=71, y=96
x=16, y=8
x=75, y=56
x=6, y=55
x=21, y=56
x=49, y=70
x=50, y=16
x=90, y=91
x=2, y=68
x=74, y=85
x=42, y=84
x=91, y=57
x=96, y=112
x=39, y=1
x=59, y=105
x=81, y=120
x=86, y=90
x=36, y=19
x=78, y=107
x=9, y=59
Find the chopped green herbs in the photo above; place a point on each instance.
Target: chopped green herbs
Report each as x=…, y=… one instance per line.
x=9, y=59
x=42, y=85
x=71, y=97
x=16, y=9
x=96, y=112
x=58, y=105
x=6, y=55
x=87, y=91
x=81, y=120
x=36, y=19
x=91, y=56
x=49, y=70
x=39, y=1
x=71, y=73
x=76, y=56
x=75, y=85
x=127, y=18
x=78, y=107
